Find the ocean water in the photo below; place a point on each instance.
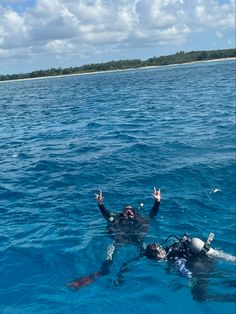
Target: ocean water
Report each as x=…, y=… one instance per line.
x=63, y=139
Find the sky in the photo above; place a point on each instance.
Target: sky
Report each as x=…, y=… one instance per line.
x=43, y=34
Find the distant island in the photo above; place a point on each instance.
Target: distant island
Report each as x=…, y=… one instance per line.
x=177, y=58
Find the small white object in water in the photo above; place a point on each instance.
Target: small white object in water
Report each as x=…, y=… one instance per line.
x=14, y=156
x=141, y=204
x=215, y=190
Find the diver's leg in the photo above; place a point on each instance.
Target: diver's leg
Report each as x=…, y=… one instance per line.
x=104, y=270
x=124, y=269
x=199, y=287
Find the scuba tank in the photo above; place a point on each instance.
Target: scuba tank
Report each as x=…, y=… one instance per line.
x=197, y=246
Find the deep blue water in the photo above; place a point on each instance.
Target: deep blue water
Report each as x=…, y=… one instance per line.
x=63, y=139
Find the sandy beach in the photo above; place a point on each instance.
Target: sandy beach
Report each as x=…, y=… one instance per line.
x=121, y=70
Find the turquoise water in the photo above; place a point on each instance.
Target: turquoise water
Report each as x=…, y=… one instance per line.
x=63, y=139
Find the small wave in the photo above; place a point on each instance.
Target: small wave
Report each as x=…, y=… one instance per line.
x=6, y=193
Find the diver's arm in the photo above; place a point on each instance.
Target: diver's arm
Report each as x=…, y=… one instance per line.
x=180, y=266
x=156, y=205
x=105, y=212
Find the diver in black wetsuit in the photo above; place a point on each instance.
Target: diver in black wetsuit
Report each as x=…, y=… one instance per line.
x=125, y=227
x=128, y=226
x=193, y=259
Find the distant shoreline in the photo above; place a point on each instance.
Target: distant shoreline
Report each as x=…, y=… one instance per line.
x=117, y=70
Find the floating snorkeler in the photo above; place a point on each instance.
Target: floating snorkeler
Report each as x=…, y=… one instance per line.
x=126, y=227
x=193, y=259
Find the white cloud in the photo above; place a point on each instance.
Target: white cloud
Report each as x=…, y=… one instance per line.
x=219, y=34
x=10, y=1
x=12, y=29
x=211, y=14
x=91, y=26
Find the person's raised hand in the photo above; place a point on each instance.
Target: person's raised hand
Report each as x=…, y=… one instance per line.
x=99, y=197
x=157, y=194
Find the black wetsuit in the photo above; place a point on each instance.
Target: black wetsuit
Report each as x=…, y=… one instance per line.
x=125, y=229
x=122, y=229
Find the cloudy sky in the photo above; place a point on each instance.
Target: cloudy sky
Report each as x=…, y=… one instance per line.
x=40, y=34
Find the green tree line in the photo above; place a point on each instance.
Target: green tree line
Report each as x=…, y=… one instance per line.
x=177, y=58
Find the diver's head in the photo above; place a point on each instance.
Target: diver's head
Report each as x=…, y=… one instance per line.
x=196, y=245
x=129, y=211
x=155, y=251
